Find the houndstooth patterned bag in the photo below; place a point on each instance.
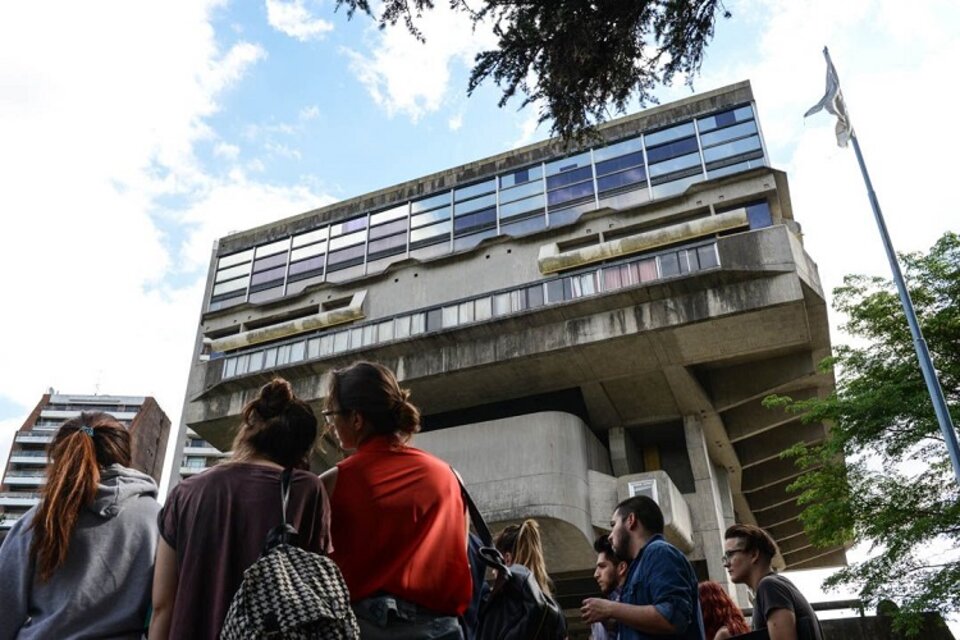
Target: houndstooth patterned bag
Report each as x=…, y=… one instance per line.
x=290, y=594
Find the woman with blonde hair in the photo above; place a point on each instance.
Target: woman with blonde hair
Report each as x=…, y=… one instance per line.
x=399, y=521
x=213, y=525
x=521, y=544
x=79, y=564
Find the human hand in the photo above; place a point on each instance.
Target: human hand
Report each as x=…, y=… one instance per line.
x=596, y=610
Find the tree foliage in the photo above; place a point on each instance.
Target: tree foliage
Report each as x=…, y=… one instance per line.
x=577, y=58
x=883, y=475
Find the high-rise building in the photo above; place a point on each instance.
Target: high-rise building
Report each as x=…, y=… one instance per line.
x=577, y=324
x=26, y=467
x=198, y=455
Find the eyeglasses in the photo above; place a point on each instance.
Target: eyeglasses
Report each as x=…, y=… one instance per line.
x=329, y=415
x=727, y=556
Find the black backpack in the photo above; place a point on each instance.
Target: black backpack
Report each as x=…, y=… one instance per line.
x=515, y=608
x=290, y=593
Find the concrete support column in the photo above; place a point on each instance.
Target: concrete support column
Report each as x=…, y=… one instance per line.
x=712, y=504
x=625, y=457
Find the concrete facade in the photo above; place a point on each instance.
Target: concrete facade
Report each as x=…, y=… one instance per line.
x=618, y=337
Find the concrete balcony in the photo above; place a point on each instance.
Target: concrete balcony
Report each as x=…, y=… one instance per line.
x=19, y=499
x=25, y=478
x=38, y=458
x=204, y=452
x=34, y=437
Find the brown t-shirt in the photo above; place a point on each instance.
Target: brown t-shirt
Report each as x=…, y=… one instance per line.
x=218, y=521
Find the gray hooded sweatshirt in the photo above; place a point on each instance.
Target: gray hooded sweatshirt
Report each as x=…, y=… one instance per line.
x=103, y=588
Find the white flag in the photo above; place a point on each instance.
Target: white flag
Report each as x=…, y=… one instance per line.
x=832, y=101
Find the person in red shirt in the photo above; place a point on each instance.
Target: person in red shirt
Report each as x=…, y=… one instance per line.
x=399, y=526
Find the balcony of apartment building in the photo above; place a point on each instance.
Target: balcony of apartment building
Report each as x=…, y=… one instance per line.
x=25, y=477
x=577, y=328
x=35, y=436
x=20, y=500
x=28, y=457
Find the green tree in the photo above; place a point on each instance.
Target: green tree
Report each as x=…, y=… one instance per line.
x=576, y=57
x=883, y=475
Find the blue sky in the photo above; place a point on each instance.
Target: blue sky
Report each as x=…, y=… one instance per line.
x=132, y=135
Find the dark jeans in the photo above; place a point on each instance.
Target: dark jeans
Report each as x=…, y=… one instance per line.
x=389, y=618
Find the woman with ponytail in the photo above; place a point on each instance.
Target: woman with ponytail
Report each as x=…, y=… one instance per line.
x=521, y=544
x=79, y=564
x=399, y=523
x=213, y=525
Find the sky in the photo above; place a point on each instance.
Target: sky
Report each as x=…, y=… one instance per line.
x=134, y=134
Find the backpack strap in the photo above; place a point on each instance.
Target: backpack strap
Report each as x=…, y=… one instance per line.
x=488, y=552
x=283, y=534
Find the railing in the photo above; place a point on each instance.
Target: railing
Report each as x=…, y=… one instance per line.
x=591, y=282
x=19, y=473
x=34, y=436
x=26, y=495
x=28, y=454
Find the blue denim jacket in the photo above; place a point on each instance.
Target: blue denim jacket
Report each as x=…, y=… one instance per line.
x=663, y=577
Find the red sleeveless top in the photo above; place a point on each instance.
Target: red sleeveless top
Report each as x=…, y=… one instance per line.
x=398, y=527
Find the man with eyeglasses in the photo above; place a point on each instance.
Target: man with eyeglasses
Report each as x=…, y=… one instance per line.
x=780, y=608
x=659, y=598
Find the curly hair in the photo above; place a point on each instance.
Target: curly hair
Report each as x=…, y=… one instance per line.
x=719, y=610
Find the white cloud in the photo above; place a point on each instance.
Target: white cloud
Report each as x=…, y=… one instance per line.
x=405, y=76
x=99, y=127
x=455, y=122
x=294, y=19
x=226, y=151
x=310, y=113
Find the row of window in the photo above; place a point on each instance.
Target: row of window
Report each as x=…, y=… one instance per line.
x=595, y=281
x=653, y=165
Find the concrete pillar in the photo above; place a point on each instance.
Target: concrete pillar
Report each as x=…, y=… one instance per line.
x=625, y=457
x=711, y=505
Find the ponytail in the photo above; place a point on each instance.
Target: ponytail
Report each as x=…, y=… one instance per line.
x=524, y=544
x=81, y=447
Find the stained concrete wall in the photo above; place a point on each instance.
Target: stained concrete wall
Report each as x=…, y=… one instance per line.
x=531, y=466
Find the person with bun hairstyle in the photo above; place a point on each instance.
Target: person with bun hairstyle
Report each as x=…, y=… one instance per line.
x=399, y=522
x=722, y=617
x=520, y=543
x=79, y=564
x=213, y=525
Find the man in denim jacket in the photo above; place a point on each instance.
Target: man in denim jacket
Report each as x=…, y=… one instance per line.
x=659, y=598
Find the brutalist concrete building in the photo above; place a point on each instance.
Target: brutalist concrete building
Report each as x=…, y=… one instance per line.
x=578, y=325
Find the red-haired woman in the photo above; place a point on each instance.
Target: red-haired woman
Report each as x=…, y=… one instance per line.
x=721, y=616
x=79, y=564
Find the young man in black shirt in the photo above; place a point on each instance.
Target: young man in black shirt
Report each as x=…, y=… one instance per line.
x=780, y=608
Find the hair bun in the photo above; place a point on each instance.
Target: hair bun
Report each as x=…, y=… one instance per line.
x=274, y=397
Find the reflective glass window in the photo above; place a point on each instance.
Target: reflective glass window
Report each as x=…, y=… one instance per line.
x=567, y=164
x=430, y=203
x=229, y=367
x=570, y=177
x=430, y=217
x=623, y=179
x=418, y=322
x=554, y=291
x=669, y=265
x=450, y=316
x=234, y=259
x=672, y=185
x=648, y=270
x=483, y=308
x=341, y=341
x=270, y=262
x=707, y=256
x=385, y=331
x=313, y=348
x=369, y=334
x=390, y=214
x=466, y=311
x=346, y=257
x=476, y=221
x=434, y=319
x=521, y=207
x=521, y=176
x=397, y=226
x=308, y=266
x=273, y=247
x=347, y=240
x=567, y=194
x=308, y=251
x=535, y=296
x=297, y=351
x=402, y=327
x=348, y=226
x=725, y=118
x=476, y=204
x=428, y=235
x=270, y=358
x=523, y=225
x=675, y=164
x=474, y=190
x=624, y=147
x=667, y=135
x=268, y=276
x=734, y=148
x=728, y=133
x=317, y=235
x=233, y=272
x=759, y=215
x=387, y=246
x=239, y=284
x=617, y=164
x=501, y=304
x=326, y=345
x=256, y=361
x=671, y=150
x=521, y=191
x=356, y=338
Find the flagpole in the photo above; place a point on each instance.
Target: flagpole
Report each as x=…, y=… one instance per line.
x=919, y=344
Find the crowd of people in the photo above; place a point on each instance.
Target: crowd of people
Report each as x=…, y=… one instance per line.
x=99, y=558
